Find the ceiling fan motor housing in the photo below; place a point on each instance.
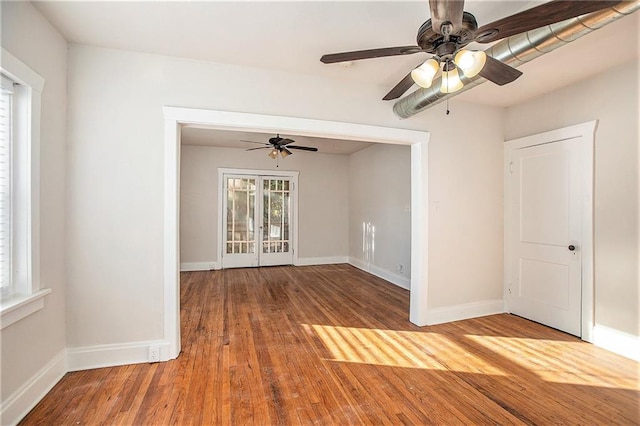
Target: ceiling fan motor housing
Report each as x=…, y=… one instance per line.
x=430, y=40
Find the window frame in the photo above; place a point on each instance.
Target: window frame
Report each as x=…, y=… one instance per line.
x=6, y=171
x=26, y=296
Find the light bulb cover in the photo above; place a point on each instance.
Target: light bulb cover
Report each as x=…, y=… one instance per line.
x=450, y=79
x=424, y=74
x=470, y=62
x=274, y=153
x=285, y=152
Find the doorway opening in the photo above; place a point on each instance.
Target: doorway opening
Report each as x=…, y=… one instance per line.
x=176, y=118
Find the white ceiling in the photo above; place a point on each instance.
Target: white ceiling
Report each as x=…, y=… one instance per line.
x=234, y=139
x=292, y=35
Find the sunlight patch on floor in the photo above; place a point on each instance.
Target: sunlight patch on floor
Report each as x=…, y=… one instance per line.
x=562, y=365
x=398, y=349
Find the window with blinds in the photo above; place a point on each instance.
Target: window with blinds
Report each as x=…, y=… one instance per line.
x=6, y=142
x=20, y=110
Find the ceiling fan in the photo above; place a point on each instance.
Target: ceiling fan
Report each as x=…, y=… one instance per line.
x=281, y=146
x=450, y=29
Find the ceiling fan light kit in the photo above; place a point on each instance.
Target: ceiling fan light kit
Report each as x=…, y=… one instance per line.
x=284, y=152
x=450, y=78
x=281, y=146
x=470, y=62
x=450, y=29
x=423, y=75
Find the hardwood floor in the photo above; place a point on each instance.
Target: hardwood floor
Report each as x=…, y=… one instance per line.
x=333, y=345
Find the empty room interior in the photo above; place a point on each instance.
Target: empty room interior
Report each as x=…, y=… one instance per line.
x=264, y=213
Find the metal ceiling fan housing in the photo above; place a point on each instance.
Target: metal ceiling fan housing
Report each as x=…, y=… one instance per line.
x=281, y=146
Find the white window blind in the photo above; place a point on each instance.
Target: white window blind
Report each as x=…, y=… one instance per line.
x=6, y=104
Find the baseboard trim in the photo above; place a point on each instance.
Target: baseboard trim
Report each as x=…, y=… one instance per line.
x=309, y=261
x=18, y=405
x=198, y=266
x=464, y=311
x=616, y=341
x=99, y=356
x=302, y=261
x=393, y=278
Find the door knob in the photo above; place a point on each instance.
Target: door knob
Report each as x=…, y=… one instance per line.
x=571, y=247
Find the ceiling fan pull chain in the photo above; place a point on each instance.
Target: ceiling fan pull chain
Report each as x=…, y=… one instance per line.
x=447, y=97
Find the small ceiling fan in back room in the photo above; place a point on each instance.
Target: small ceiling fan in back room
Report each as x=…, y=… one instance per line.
x=281, y=146
x=450, y=29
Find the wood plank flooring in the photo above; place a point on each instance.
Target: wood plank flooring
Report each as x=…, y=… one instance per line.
x=332, y=345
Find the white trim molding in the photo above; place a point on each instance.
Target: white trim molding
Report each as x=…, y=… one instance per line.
x=199, y=266
x=18, y=404
x=379, y=272
x=302, y=261
x=262, y=123
x=21, y=72
x=616, y=341
x=13, y=310
x=99, y=356
x=171, y=249
x=418, y=302
x=329, y=260
x=465, y=311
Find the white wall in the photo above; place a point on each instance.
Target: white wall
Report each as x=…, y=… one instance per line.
x=465, y=206
x=612, y=99
x=380, y=211
x=322, y=199
x=115, y=169
x=32, y=343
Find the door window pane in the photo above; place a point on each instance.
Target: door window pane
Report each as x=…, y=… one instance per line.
x=241, y=194
x=275, y=218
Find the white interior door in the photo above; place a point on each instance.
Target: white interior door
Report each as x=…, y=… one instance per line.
x=545, y=195
x=257, y=226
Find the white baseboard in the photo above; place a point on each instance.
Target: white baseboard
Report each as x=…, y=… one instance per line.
x=18, y=405
x=616, y=341
x=88, y=357
x=464, y=311
x=303, y=261
x=309, y=261
x=393, y=278
x=198, y=266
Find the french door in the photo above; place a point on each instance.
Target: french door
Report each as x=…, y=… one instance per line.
x=257, y=226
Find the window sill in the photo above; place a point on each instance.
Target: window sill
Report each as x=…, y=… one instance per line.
x=18, y=307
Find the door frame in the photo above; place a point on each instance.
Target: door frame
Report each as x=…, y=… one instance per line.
x=176, y=117
x=260, y=173
x=583, y=134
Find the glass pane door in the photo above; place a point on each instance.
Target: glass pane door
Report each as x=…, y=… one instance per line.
x=256, y=222
x=276, y=220
x=240, y=221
